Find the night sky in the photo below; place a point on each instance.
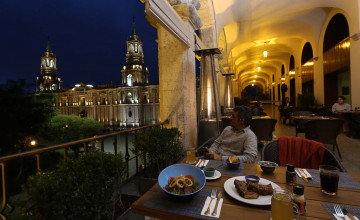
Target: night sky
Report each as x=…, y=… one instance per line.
x=88, y=38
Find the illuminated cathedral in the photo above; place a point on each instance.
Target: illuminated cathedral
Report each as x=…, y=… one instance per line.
x=133, y=103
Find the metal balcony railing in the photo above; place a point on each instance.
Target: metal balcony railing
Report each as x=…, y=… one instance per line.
x=64, y=147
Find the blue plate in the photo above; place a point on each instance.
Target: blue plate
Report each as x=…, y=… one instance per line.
x=181, y=169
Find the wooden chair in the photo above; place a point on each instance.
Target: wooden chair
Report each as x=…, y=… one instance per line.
x=325, y=131
x=271, y=153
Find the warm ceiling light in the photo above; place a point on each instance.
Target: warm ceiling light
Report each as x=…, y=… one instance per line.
x=265, y=53
x=309, y=64
x=252, y=84
x=254, y=80
x=273, y=83
x=292, y=73
x=258, y=68
x=283, y=78
x=255, y=76
x=347, y=44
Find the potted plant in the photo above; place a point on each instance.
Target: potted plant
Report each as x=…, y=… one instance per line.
x=157, y=148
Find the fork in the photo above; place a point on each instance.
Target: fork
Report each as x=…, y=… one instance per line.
x=338, y=211
x=220, y=195
x=213, y=196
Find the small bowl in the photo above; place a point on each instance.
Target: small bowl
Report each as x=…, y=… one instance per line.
x=267, y=166
x=233, y=165
x=209, y=171
x=252, y=178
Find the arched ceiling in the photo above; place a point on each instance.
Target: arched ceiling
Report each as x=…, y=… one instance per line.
x=245, y=28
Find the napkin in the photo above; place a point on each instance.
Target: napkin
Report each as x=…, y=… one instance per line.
x=202, y=163
x=213, y=203
x=305, y=173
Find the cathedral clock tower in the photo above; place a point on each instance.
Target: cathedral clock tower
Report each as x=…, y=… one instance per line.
x=134, y=72
x=48, y=81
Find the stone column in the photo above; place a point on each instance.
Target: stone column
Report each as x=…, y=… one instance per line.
x=355, y=70
x=319, y=78
x=177, y=89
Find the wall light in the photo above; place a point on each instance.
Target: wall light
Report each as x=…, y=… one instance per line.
x=254, y=80
x=252, y=84
x=255, y=76
x=292, y=73
x=283, y=78
x=309, y=64
x=265, y=53
x=258, y=68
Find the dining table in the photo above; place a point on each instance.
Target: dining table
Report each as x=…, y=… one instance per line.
x=235, y=209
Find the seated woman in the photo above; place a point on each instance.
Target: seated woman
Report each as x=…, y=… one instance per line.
x=341, y=105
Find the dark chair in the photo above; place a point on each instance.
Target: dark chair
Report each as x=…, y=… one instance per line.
x=271, y=153
x=325, y=131
x=300, y=123
x=263, y=128
x=286, y=113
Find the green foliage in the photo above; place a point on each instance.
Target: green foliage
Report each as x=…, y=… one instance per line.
x=22, y=116
x=65, y=128
x=161, y=146
x=306, y=100
x=83, y=188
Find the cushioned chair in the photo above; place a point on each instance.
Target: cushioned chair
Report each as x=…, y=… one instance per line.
x=263, y=128
x=325, y=131
x=271, y=153
x=300, y=123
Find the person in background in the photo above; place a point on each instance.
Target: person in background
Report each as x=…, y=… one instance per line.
x=341, y=105
x=236, y=139
x=287, y=103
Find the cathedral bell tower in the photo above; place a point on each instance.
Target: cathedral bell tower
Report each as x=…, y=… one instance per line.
x=48, y=81
x=134, y=72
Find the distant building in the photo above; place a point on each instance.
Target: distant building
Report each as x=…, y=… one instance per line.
x=48, y=80
x=133, y=103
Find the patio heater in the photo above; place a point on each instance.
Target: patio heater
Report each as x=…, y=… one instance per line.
x=228, y=94
x=209, y=120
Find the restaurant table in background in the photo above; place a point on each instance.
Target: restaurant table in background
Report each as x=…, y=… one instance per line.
x=226, y=120
x=349, y=118
x=233, y=209
x=310, y=117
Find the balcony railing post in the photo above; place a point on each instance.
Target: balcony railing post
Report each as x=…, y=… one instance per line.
x=115, y=144
x=136, y=157
x=4, y=192
x=38, y=162
x=65, y=153
x=102, y=145
x=127, y=156
x=85, y=148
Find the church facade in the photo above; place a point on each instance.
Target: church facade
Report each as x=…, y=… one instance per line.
x=133, y=103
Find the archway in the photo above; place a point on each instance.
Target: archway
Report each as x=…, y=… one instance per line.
x=336, y=71
x=307, y=70
x=253, y=90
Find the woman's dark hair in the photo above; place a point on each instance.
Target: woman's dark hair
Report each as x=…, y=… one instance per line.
x=342, y=97
x=244, y=112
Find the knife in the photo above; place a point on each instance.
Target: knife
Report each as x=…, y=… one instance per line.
x=348, y=214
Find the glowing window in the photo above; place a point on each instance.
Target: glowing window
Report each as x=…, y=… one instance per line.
x=129, y=80
x=51, y=63
x=54, y=87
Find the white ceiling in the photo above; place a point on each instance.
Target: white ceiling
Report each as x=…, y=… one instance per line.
x=281, y=27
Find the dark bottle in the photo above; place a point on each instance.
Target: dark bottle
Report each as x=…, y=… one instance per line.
x=290, y=174
x=299, y=198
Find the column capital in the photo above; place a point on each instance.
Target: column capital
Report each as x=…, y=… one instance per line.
x=187, y=9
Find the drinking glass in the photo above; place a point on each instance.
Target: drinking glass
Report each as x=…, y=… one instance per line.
x=282, y=206
x=329, y=179
x=190, y=156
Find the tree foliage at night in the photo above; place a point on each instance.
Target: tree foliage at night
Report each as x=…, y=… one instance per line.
x=22, y=116
x=65, y=128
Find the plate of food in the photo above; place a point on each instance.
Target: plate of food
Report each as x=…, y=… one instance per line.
x=250, y=193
